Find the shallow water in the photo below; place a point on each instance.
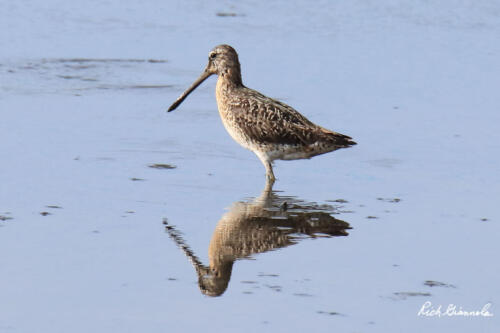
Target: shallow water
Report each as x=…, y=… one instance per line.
x=112, y=209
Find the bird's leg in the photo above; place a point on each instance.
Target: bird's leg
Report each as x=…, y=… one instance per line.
x=269, y=169
x=269, y=172
x=268, y=188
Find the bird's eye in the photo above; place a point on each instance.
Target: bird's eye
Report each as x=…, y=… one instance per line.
x=213, y=55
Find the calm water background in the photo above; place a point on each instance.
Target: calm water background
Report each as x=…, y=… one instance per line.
x=83, y=93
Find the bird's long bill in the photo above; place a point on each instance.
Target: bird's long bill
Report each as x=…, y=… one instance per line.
x=185, y=94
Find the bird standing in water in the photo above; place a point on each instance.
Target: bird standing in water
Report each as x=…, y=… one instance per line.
x=269, y=128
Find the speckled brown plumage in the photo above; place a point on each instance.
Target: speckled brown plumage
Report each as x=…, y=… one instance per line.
x=271, y=129
x=257, y=226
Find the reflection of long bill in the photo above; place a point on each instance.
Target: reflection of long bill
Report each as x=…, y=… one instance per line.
x=185, y=94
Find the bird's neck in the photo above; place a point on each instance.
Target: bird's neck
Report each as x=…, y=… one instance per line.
x=230, y=77
x=228, y=83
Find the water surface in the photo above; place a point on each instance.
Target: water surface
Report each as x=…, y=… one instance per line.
x=112, y=211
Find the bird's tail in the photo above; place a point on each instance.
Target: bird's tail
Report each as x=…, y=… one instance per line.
x=341, y=140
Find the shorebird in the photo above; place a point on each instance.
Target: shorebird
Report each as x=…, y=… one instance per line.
x=269, y=128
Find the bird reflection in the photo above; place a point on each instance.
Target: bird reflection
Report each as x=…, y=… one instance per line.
x=265, y=223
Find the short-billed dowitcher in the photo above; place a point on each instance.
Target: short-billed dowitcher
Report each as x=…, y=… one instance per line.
x=269, y=128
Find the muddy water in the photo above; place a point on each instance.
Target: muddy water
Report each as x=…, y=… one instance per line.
x=116, y=216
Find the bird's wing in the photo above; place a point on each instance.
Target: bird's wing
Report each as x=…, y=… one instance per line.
x=266, y=120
